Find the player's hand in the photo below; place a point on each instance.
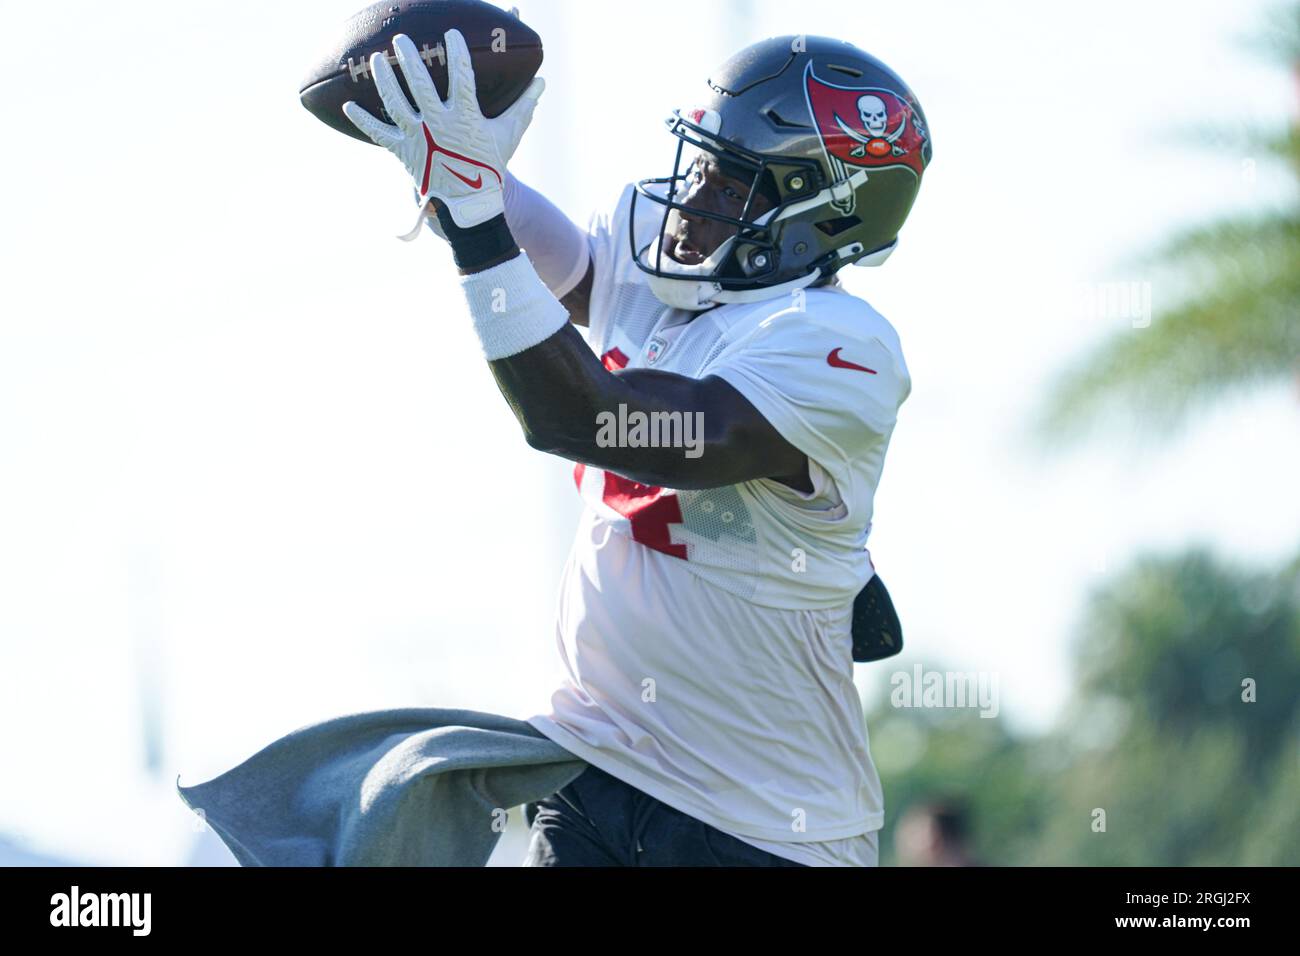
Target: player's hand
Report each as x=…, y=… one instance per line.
x=454, y=154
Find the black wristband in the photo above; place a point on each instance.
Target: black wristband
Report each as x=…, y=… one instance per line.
x=474, y=246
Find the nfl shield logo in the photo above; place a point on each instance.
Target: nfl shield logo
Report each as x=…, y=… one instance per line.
x=654, y=350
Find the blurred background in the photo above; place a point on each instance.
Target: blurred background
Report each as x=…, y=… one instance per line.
x=253, y=473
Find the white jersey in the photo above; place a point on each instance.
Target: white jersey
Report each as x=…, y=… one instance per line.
x=706, y=634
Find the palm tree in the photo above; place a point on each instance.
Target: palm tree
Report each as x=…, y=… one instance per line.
x=1237, y=325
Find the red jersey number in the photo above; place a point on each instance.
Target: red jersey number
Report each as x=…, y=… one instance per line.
x=649, y=509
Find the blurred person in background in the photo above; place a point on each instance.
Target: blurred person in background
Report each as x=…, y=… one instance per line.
x=935, y=834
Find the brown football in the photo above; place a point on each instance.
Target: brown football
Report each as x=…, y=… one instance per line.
x=506, y=55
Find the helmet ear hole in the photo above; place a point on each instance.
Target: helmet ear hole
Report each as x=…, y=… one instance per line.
x=833, y=227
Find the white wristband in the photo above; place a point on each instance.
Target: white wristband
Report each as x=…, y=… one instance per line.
x=512, y=308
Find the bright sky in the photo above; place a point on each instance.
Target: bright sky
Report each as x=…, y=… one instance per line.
x=254, y=475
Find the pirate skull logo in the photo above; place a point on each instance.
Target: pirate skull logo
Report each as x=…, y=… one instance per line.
x=874, y=115
x=879, y=140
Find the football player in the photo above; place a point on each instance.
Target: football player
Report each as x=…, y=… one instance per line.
x=728, y=413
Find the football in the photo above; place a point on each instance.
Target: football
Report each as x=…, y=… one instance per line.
x=506, y=55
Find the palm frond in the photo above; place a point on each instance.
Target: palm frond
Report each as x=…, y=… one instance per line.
x=1229, y=297
x=1245, y=332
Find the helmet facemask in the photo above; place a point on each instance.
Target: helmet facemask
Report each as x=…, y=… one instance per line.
x=745, y=265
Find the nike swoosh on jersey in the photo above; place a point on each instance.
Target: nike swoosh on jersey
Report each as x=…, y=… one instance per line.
x=834, y=361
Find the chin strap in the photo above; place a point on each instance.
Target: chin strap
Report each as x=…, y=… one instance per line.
x=696, y=295
x=768, y=291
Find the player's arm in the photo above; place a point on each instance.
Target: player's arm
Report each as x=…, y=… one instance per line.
x=559, y=392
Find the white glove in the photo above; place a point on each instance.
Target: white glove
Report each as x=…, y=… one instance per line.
x=453, y=153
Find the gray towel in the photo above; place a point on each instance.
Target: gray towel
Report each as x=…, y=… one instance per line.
x=408, y=787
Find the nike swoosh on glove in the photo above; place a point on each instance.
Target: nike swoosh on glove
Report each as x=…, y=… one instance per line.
x=455, y=154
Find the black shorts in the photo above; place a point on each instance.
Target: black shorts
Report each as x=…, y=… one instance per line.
x=598, y=820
